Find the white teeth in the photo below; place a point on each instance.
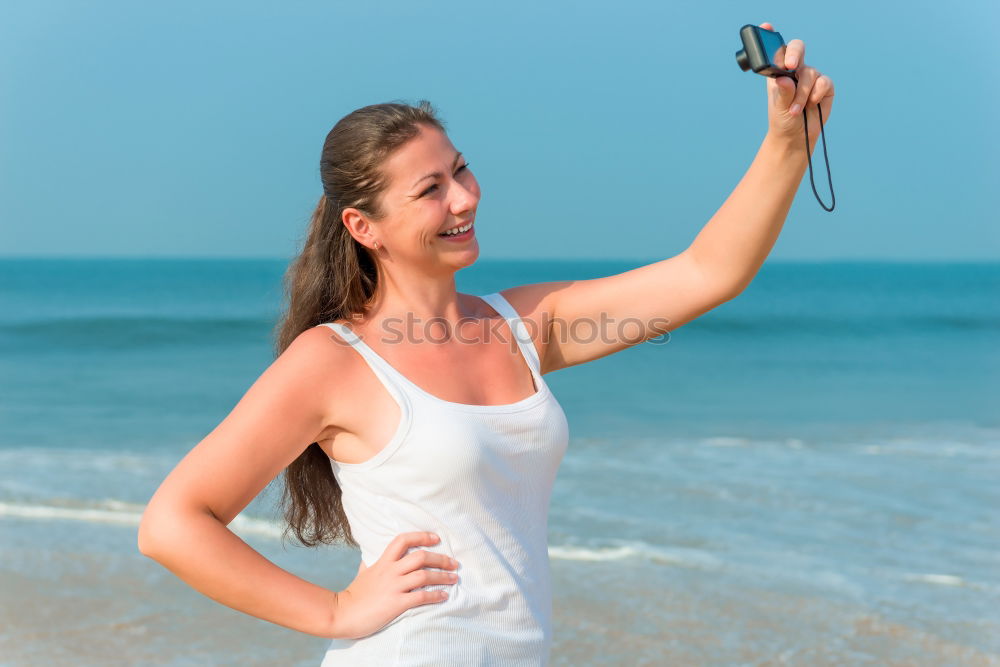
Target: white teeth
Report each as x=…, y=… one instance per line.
x=458, y=230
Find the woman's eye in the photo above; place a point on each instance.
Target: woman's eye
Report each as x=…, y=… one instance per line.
x=464, y=166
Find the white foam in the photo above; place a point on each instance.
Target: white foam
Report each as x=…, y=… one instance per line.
x=91, y=515
x=677, y=556
x=934, y=449
x=86, y=459
x=724, y=441
x=117, y=512
x=247, y=525
x=124, y=514
x=940, y=579
x=583, y=553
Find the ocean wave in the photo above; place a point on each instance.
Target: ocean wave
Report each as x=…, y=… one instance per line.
x=122, y=513
x=863, y=324
x=129, y=514
x=726, y=441
x=116, y=331
x=84, y=458
x=623, y=550
x=88, y=514
x=934, y=449
x=939, y=579
x=136, y=331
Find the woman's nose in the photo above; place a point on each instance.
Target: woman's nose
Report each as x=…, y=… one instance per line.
x=464, y=198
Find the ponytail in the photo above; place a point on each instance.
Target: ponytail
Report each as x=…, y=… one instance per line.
x=334, y=277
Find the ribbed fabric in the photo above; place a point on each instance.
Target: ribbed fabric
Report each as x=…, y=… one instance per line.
x=481, y=477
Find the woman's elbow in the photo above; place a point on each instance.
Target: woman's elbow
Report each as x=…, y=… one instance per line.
x=154, y=532
x=145, y=539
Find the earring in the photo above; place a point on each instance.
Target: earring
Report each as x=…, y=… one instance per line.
x=375, y=246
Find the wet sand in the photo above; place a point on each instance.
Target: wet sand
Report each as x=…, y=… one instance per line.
x=104, y=604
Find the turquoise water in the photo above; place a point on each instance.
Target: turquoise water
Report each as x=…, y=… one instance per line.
x=831, y=434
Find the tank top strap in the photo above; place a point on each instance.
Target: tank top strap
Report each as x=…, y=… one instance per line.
x=517, y=327
x=387, y=375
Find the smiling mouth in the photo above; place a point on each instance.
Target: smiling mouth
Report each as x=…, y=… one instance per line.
x=458, y=232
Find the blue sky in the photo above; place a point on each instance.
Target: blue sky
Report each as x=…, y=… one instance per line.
x=595, y=130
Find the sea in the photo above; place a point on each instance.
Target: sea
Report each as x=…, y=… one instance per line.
x=808, y=474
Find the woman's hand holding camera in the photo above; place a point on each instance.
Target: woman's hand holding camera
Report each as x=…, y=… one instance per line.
x=385, y=590
x=788, y=101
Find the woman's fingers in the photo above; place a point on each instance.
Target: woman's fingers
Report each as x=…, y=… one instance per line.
x=795, y=54
x=421, y=558
x=821, y=89
x=813, y=88
x=421, y=578
x=804, y=89
x=810, y=88
x=417, y=598
x=402, y=543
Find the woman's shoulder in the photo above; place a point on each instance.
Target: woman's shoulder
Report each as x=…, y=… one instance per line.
x=325, y=347
x=312, y=358
x=326, y=354
x=532, y=304
x=336, y=375
x=533, y=300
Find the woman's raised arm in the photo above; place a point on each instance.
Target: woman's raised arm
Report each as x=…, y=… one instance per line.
x=576, y=321
x=579, y=321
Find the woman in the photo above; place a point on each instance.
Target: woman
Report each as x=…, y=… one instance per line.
x=413, y=421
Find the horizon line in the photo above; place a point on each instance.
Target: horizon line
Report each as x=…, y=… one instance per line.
x=790, y=260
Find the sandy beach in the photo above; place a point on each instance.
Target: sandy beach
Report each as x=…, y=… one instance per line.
x=101, y=605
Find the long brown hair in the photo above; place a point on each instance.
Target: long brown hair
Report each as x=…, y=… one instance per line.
x=335, y=277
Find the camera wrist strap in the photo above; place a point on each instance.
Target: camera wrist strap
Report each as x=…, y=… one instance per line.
x=805, y=120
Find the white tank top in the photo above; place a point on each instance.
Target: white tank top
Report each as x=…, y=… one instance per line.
x=481, y=477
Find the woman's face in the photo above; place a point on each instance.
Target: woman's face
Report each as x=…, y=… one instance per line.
x=429, y=191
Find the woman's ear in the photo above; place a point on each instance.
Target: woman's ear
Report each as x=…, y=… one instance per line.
x=359, y=226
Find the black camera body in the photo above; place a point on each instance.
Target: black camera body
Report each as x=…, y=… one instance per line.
x=761, y=49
